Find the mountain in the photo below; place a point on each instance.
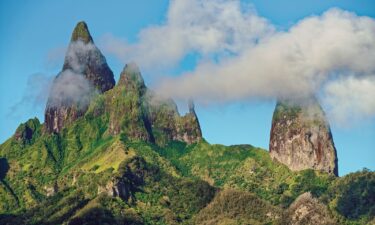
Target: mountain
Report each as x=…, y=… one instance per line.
x=301, y=137
x=140, y=114
x=122, y=154
x=84, y=73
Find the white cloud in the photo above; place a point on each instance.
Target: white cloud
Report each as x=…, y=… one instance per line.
x=35, y=95
x=78, y=54
x=255, y=61
x=70, y=88
x=350, y=98
x=287, y=64
x=202, y=26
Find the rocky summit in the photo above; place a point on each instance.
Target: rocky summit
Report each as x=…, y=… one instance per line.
x=85, y=72
x=301, y=137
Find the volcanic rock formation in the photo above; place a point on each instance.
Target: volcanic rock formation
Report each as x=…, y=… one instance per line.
x=301, y=137
x=85, y=73
x=134, y=111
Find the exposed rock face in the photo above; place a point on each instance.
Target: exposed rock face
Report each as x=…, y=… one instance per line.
x=131, y=175
x=307, y=210
x=85, y=73
x=167, y=124
x=188, y=128
x=116, y=188
x=301, y=137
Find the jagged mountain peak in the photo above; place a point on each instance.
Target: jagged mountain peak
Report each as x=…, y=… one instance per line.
x=132, y=67
x=131, y=78
x=191, y=106
x=81, y=32
x=141, y=114
x=84, y=58
x=85, y=72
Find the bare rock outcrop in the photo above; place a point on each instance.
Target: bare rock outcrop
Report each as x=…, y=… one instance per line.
x=301, y=137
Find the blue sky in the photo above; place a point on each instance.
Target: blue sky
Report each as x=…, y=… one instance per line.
x=31, y=30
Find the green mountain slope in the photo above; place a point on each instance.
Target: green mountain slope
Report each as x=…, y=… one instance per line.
x=86, y=174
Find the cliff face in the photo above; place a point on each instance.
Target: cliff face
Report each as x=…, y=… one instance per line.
x=167, y=124
x=85, y=73
x=188, y=128
x=301, y=137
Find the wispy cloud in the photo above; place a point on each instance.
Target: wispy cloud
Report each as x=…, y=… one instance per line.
x=71, y=86
x=35, y=95
x=68, y=87
x=55, y=57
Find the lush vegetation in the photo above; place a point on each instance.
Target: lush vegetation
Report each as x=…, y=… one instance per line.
x=245, y=168
x=93, y=172
x=233, y=207
x=352, y=197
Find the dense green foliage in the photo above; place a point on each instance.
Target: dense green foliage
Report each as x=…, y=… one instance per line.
x=233, y=206
x=246, y=168
x=353, y=196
